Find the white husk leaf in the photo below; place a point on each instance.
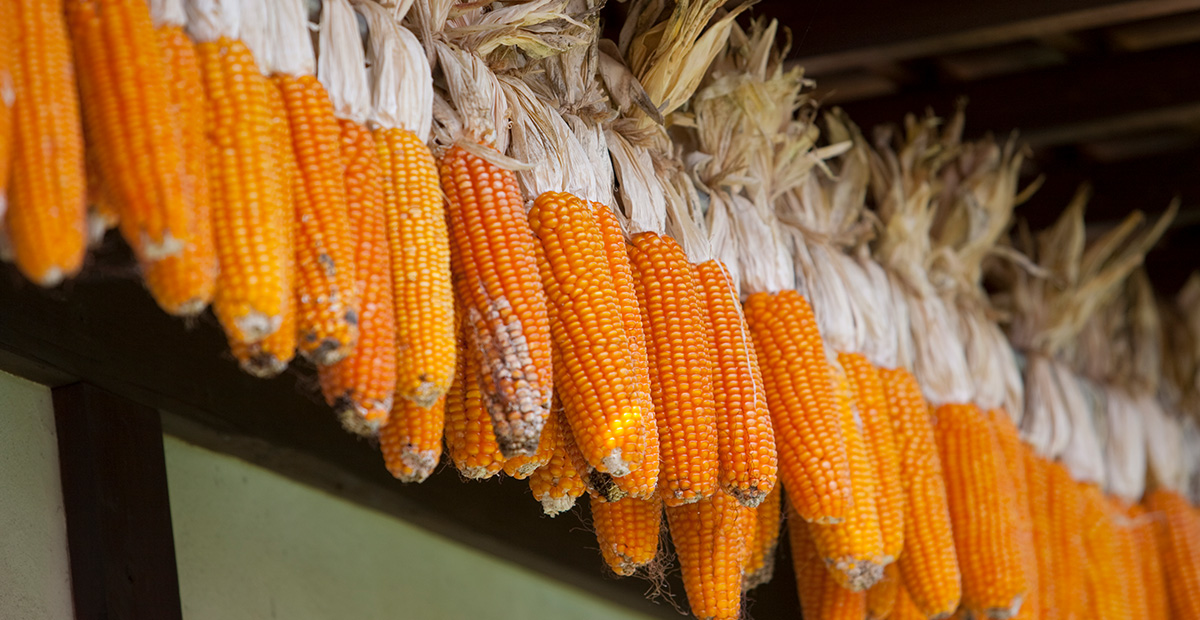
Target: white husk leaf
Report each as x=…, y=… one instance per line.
x=1083, y=455
x=400, y=77
x=168, y=12
x=257, y=32
x=209, y=20
x=477, y=97
x=287, y=49
x=1125, y=449
x=1165, y=446
x=541, y=137
x=1046, y=424
x=342, y=64
x=645, y=204
x=892, y=346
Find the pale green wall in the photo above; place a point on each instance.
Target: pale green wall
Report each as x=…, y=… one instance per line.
x=252, y=545
x=35, y=578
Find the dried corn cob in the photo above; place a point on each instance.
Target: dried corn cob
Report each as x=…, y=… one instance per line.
x=680, y=370
x=470, y=441
x=557, y=484
x=1066, y=536
x=137, y=137
x=1014, y=461
x=596, y=389
x=1129, y=569
x=1037, y=476
x=929, y=563
x=867, y=388
x=710, y=539
x=745, y=438
x=1179, y=545
x=411, y=440
x=881, y=598
x=1107, y=591
x=523, y=465
x=46, y=214
x=8, y=61
x=1150, y=563
x=812, y=452
x=821, y=597
x=494, y=255
x=768, y=517
x=627, y=531
x=905, y=609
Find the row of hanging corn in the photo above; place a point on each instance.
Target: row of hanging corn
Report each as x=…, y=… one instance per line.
x=647, y=270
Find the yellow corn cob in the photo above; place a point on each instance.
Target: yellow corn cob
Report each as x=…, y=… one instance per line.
x=812, y=452
x=138, y=140
x=1107, y=591
x=495, y=260
x=768, y=517
x=745, y=438
x=327, y=315
x=710, y=539
x=821, y=596
x=905, y=609
x=1129, y=569
x=983, y=511
x=1066, y=536
x=1014, y=460
x=557, y=484
x=853, y=548
x=871, y=401
x=411, y=440
x=1150, y=563
x=929, y=563
x=420, y=249
x=46, y=215
x=627, y=531
x=585, y=321
x=680, y=364
x=881, y=598
x=470, y=441
x=1037, y=476
x=251, y=211
x=360, y=387
x=1178, y=534
x=183, y=284
x=642, y=483
x=8, y=62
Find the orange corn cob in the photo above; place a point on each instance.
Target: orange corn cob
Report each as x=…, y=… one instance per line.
x=138, y=140
x=1107, y=591
x=1037, y=476
x=470, y=440
x=420, y=249
x=983, y=510
x=929, y=563
x=627, y=531
x=768, y=517
x=360, y=387
x=812, y=452
x=46, y=215
x=1178, y=530
x=710, y=539
x=642, y=483
x=495, y=259
x=881, y=598
x=523, y=465
x=251, y=211
x=1066, y=536
x=745, y=438
x=327, y=315
x=585, y=321
x=183, y=284
x=853, y=548
x=1129, y=569
x=867, y=390
x=680, y=363
x=411, y=440
x=557, y=484
x=1014, y=461
x=905, y=609
x=1150, y=563
x=821, y=597
x=8, y=62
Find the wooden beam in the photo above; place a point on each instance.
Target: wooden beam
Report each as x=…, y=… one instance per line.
x=114, y=483
x=835, y=36
x=1093, y=99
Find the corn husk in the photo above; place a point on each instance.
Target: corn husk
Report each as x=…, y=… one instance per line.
x=341, y=62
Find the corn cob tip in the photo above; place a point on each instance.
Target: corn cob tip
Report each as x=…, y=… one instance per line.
x=615, y=464
x=524, y=470
x=1005, y=614
x=152, y=250
x=554, y=506
x=420, y=464
x=761, y=575
x=262, y=365
x=475, y=472
x=750, y=497
x=255, y=326
x=426, y=394
x=363, y=419
x=860, y=574
x=603, y=485
x=329, y=352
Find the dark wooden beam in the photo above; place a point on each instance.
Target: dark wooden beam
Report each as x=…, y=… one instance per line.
x=114, y=483
x=1090, y=100
x=835, y=36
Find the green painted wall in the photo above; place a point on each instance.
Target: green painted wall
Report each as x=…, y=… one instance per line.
x=253, y=545
x=35, y=578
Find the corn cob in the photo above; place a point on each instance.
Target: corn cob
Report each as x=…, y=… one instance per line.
x=183, y=285
x=1129, y=569
x=642, y=483
x=871, y=401
x=680, y=369
x=745, y=438
x=470, y=441
x=812, y=452
x=1178, y=531
x=929, y=563
x=627, y=531
x=411, y=440
x=1150, y=563
x=585, y=321
x=523, y=465
x=983, y=511
x=138, y=140
x=881, y=598
x=853, y=548
x=1037, y=475
x=557, y=484
x=1107, y=591
x=494, y=254
x=821, y=596
x=905, y=609
x=360, y=387
x=102, y=212
x=1014, y=461
x=420, y=251
x=768, y=517
x=710, y=539
x=46, y=216
x=8, y=61
x=1066, y=536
